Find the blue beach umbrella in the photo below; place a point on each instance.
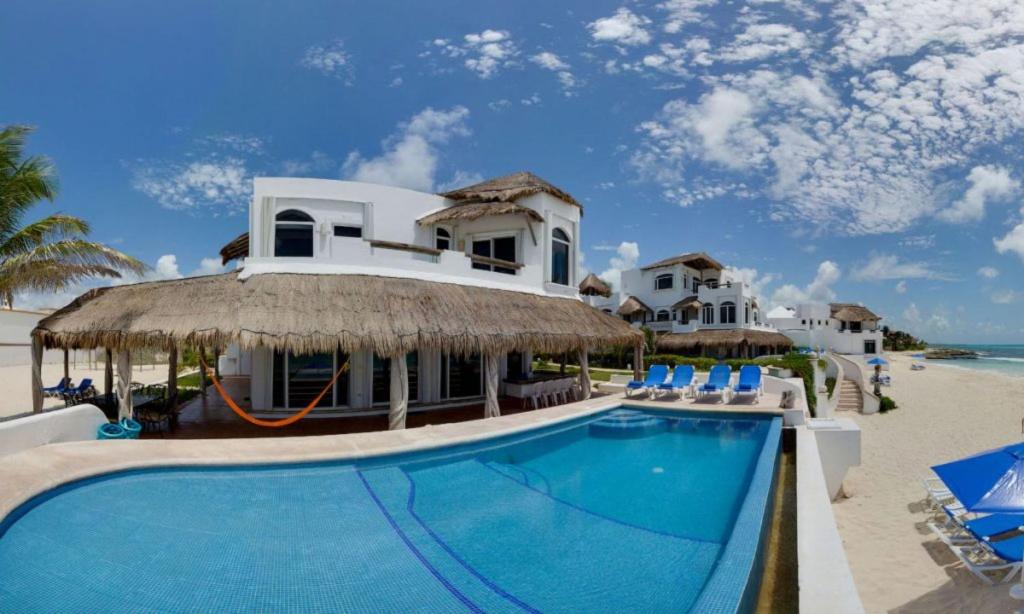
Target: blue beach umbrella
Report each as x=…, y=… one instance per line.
x=878, y=360
x=991, y=481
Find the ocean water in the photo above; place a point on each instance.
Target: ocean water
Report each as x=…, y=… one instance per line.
x=618, y=512
x=1006, y=359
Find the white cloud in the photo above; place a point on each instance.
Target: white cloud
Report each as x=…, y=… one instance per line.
x=901, y=287
x=918, y=241
x=623, y=28
x=627, y=255
x=552, y=62
x=760, y=41
x=224, y=183
x=410, y=157
x=818, y=291
x=987, y=183
x=486, y=53
x=881, y=267
x=936, y=323
x=1005, y=297
x=988, y=272
x=683, y=12
x=460, y=179
x=209, y=266
x=1012, y=241
x=330, y=59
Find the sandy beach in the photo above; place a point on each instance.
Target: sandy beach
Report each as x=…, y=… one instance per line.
x=944, y=413
x=16, y=388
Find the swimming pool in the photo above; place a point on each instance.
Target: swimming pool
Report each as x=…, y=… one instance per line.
x=621, y=510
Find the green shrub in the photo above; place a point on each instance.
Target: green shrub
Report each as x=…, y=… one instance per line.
x=830, y=384
x=886, y=404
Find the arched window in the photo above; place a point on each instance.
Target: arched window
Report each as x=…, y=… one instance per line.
x=727, y=313
x=293, y=234
x=560, y=257
x=442, y=238
x=707, y=314
x=663, y=316
x=663, y=282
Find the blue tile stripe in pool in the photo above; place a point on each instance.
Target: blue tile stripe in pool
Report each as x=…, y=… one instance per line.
x=732, y=586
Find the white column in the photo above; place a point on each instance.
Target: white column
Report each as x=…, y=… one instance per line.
x=37, y=374
x=491, y=409
x=399, y=398
x=584, y=375
x=124, y=383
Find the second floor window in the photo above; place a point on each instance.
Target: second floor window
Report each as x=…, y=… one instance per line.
x=293, y=234
x=696, y=285
x=707, y=314
x=663, y=316
x=560, y=257
x=728, y=313
x=663, y=282
x=499, y=248
x=442, y=239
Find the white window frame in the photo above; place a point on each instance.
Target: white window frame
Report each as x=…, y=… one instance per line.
x=491, y=236
x=450, y=238
x=334, y=388
x=671, y=278
x=568, y=265
x=312, y=226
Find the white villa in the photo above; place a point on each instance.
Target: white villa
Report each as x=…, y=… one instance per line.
x=844, y=328
x=462, y=287
x=694, y=306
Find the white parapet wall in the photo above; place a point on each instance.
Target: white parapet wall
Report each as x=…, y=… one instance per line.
x=839, y=449
x=826, y=583
x=78, y=423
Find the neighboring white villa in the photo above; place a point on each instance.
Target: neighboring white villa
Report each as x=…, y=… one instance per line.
x=694, y=305
x=841, y=327
x=528, y=243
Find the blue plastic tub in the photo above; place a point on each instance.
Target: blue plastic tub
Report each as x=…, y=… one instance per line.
x=111, y=431
x=131, y=428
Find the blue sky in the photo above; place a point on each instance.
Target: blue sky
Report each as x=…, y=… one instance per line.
x=865, y=151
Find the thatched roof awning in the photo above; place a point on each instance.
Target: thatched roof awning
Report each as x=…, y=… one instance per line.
x=508, y=188
x=472, y=211
x=848, y=312
x=592, y=285
x=237, y=249
x=686, y=303
x=735, y=337
x=318, y=313
x=633, y=305
x=696, y=260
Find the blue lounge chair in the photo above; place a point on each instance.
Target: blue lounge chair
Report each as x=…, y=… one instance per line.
x=655, y=377
x=981, y=547
x=749, y=384
x=76, y=394
x=59, y=389
x=682, y=380
x=718, y=380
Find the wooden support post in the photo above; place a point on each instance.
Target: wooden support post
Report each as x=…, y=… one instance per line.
x=561, y=365
x=108, y=376
x=202, y=372
x=172, y=377
x=638, y=362
x=67, y=371
x=584, y=375
x=216, y=362
x=37, y=374
x=124, y=384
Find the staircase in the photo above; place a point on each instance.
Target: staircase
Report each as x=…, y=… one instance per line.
x=850, y=398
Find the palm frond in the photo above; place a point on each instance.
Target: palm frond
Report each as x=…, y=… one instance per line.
x=54, y=227
x=75, y=252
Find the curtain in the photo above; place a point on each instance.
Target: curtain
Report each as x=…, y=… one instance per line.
x=399, y=401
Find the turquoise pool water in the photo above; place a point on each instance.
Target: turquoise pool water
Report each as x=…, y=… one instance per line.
x=621, y=511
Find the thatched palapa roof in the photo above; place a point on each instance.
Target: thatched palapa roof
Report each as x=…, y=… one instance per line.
x=507, y=189
x=697, y=260
x=237, y=249
x=734, y=337
x=689, y=301
x=592, y=285
x=318, y=313
x=471, y=211
x=849, y=312
x=633, y=305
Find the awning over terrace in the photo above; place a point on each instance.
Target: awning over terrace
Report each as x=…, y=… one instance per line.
x=322, y=313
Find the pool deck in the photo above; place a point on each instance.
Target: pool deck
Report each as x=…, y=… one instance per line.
x=32, y=472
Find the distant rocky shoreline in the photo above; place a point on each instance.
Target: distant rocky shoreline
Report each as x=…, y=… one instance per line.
x=948, y=353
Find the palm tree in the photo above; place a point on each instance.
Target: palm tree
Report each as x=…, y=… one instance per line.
x=50, y=254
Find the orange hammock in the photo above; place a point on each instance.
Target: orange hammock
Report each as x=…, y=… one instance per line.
x=270, y=423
